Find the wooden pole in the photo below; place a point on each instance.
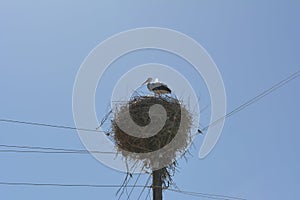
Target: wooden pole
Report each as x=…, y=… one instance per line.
x=157, y=184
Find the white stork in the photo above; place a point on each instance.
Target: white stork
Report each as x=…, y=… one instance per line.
x=157, y=87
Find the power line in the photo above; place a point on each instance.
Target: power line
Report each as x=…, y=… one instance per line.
x=196, y=194
x=206, y=195
x=66, y=185
x=264, y=93
x=49, y=150
x=50, y=125
x=40, y=148
x=147, y=182
x=257, y=97
x=128, y=198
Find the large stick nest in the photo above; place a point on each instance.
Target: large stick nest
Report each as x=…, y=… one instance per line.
x=178, y=123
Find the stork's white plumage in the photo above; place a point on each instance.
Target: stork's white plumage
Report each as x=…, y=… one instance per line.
x=157, y=87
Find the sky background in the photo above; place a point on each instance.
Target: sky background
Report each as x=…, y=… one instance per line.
x=255, y=44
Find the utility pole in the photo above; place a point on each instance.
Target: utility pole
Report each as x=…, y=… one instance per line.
x=157, y=184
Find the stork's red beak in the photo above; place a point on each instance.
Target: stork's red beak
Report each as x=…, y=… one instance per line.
x=147, y=81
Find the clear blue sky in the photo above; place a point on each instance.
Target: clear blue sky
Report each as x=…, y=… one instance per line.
x=254, y=43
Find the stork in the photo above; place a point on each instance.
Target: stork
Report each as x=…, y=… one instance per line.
x=157, y=87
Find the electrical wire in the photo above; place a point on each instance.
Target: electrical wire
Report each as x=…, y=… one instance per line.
x=256, y=98
x=196, y=194
x=128, y=197
x=48, y=150
x=49, y=125
x=148, y=194
x=205, y=195
x=40, y=148
x=66, y=185
x=147, y=182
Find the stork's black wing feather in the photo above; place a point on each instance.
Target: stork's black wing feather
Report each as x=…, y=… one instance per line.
x=162, y=87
